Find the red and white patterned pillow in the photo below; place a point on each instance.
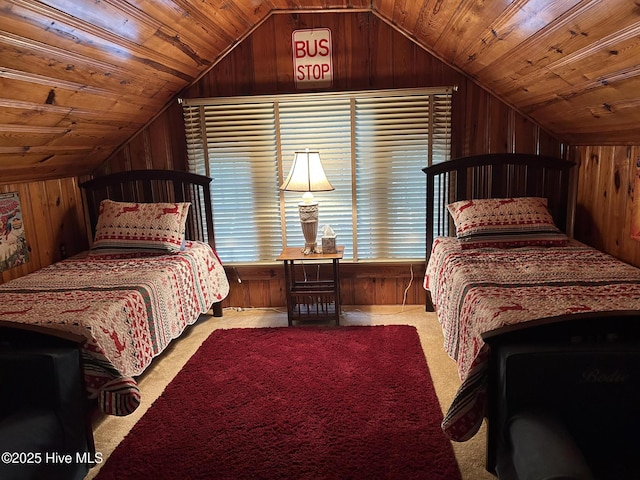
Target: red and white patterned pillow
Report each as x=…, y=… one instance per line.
x=155, y=226
x=505, y=222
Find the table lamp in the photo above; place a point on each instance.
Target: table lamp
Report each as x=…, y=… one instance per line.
x=307, y=175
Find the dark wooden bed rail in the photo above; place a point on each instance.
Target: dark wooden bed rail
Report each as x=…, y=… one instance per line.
x=495, y=176
x=156, y=186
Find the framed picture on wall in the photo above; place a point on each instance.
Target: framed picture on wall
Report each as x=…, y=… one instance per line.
x=13, y=244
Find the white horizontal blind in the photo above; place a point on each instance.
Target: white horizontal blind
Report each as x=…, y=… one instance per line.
x=240, y=144
x=372, y=145
x=441, y=128
x=322, y=126
x=392, y=145
x=196, y=150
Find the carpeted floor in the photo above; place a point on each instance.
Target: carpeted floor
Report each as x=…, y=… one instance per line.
x=294, y=403
x=109, y=431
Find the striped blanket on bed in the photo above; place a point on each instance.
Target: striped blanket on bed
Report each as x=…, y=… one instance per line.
x=479, y=290
x=128, y=306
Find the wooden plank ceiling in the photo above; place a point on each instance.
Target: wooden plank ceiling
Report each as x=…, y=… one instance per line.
x=80, y=77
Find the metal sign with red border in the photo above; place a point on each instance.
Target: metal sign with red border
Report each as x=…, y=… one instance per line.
x=312, y=58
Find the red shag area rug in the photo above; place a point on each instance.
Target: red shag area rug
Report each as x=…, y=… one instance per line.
x=294, y=403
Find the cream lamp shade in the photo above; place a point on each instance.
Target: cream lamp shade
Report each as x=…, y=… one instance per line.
x=307, y=175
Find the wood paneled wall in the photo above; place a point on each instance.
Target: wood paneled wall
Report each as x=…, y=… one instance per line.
x=360, y=284
x=605, y=199
x=368, y=54
x=54, y=222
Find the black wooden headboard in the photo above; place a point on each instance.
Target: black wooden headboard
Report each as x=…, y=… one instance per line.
x=156, y=186
x=496, y=176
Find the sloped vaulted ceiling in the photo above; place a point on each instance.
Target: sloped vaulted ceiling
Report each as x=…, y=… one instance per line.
x=79, y=77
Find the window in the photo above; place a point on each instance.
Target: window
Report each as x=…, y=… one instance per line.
x=373, y=146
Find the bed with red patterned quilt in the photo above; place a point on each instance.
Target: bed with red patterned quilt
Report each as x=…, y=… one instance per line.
x=152, y=271
x=476, y=291
x=129, y=307
x=504, y=275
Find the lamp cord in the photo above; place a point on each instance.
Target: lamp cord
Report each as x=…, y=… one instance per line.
x=404, y=297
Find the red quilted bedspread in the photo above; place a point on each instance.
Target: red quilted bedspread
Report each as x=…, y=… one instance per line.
x=479, y=290
x=128, y=307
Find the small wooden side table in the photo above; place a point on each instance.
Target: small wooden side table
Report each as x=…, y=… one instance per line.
x=315, y=299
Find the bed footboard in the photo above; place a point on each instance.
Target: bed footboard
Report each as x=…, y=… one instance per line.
x=584, y=369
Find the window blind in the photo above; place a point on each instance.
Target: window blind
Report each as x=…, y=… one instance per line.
x=237, y=147
x=372, y=145
x=392, y=139
x=441, y=128
x=322, y=126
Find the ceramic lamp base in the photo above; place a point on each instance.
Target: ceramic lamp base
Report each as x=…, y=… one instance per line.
x=309, y=223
